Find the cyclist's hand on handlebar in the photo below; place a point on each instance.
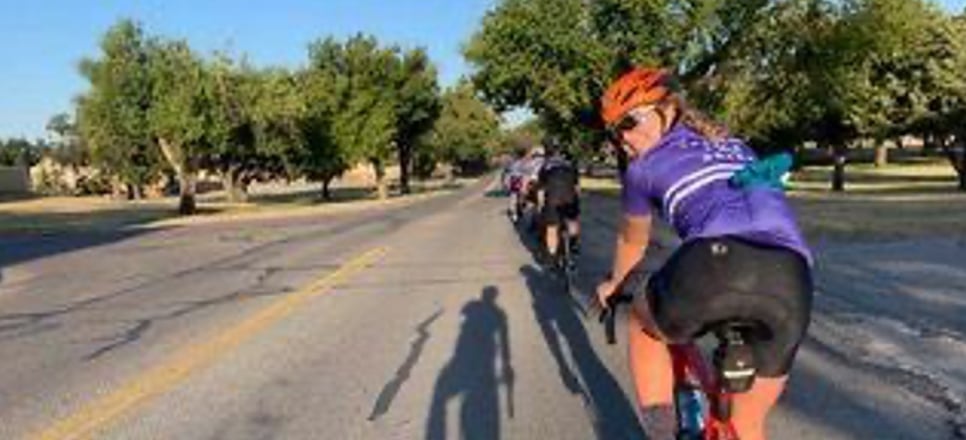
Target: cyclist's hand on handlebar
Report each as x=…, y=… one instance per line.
x=610, y=294
x=605, y=290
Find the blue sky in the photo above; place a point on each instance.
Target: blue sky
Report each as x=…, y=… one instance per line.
x=42, y=40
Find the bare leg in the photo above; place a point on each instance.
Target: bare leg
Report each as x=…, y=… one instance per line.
x=751, y=408
x=653, y=380
x=551, y=240
x=573, y=226
x=513, y=205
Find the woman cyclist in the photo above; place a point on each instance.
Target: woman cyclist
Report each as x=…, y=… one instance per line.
x=742, y=256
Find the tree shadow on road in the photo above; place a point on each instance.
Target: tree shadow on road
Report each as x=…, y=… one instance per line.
x=859, y=413
x=472, y=373
x=21, y=248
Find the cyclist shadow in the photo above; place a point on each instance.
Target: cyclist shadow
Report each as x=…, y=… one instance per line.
x=560, y=323
x=472, y=373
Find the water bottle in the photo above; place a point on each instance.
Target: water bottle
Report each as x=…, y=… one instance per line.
x=692, y=408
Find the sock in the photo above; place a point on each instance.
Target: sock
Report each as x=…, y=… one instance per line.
x=659, y=422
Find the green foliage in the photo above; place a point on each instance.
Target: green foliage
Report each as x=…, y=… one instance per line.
x=113, y=114
x=555, y=57
x=178, y=105
x=68, y=147
x=542, y=54
x=21, y=152
x=523, y=137
x=366, y=102
x=467, y=131
x=417, y=106
x=153, y=100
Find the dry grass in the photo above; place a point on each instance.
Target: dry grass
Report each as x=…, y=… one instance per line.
x=902, y=201
x=56, y=214
x=861, y=216
x=933, y=176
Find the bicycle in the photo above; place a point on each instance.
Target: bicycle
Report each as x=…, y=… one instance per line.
x=515, y=208
x=702, y=395
x=566, y=263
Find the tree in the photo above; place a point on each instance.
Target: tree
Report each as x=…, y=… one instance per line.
x=68, y=146
x=177, y=114
x=525, y=136
x=363, y=120
x=21, y=152
x=544, y=55
x=322, y=159
x=112, y=114
x=556, y=56
x=60, y=125
x=815, y=71
x=277, y=117
x=417, y=107
x=230, y=132
x=467, y=130
x=939, y=72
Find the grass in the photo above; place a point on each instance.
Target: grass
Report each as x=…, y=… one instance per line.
x=881, y=217
x=44, y=215
x=895, y=202
x=49, y=214
x=916, y=177
x=313, y=196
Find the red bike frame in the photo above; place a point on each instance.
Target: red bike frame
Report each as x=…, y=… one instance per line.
x=690, y=367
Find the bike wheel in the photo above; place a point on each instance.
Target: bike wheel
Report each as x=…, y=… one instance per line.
x=566, y=265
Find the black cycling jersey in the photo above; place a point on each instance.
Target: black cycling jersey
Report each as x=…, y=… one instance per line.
x=559, y=179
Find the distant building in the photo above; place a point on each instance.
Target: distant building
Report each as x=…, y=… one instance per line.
x=14, y=180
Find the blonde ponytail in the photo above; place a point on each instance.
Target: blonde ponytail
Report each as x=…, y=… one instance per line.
x=698, y=121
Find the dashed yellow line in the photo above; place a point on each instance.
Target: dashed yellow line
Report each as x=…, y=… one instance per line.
x=98, y=414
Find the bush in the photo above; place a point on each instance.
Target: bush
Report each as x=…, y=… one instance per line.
x=51, y=182
x=96, y=184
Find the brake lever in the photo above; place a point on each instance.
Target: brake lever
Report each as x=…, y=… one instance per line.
x=609, y=315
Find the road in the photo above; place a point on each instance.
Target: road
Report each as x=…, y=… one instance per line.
x=423, y=321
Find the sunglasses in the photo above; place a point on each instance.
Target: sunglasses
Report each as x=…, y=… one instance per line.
x=616, y=130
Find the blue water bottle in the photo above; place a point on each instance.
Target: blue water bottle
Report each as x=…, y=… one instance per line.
x=692, y=409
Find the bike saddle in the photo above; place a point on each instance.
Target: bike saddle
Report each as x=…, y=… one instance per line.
x=734, y=359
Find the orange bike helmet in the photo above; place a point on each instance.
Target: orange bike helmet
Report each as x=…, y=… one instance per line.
x=641, y=86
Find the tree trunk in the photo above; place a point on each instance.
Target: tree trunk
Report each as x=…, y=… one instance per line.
x=838, y=174
x=235, y=189
x=326, y=191
x=928, y=144
x=899, y=143
x=381, y=187
x=187, y=175
x=134, y=191
x=961, y=169
x=405, y=157
x=881, y=154
x=188, y=182
x=957, y=158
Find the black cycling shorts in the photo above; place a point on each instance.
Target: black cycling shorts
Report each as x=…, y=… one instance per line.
x=555, y=211
x=711, y=280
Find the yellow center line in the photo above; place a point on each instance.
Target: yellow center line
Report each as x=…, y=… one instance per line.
x=96, y=415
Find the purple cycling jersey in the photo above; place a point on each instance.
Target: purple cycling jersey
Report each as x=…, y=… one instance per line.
x=685, y=180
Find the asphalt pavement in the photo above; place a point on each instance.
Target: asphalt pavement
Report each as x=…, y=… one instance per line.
x=430, y=320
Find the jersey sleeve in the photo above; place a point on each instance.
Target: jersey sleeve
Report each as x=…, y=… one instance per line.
x=635, y=193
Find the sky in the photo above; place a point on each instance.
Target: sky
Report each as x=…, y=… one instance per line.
x=43, y=40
